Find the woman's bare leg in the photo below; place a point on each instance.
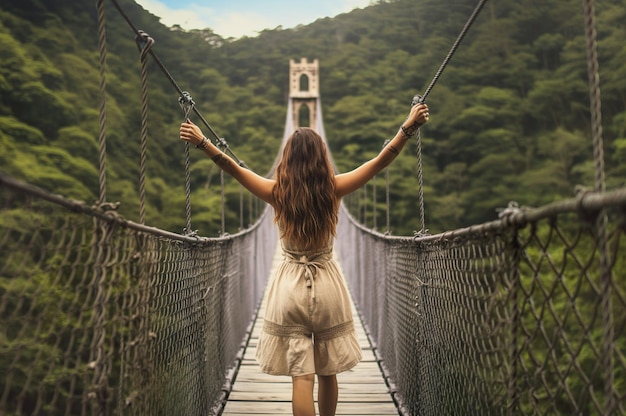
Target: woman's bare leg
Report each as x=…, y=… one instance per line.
x=327, y=394
x=302, y=395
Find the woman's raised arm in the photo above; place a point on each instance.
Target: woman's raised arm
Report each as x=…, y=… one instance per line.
x=258, y=185
x=351, y=181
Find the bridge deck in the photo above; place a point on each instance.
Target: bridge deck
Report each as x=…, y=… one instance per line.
x=362, y=390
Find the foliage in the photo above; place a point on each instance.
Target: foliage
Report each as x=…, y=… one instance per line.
x=510, y=113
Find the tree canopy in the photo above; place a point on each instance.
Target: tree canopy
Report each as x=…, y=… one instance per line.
x=510, y=114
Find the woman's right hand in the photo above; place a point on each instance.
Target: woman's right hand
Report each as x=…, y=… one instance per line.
x=191, y=133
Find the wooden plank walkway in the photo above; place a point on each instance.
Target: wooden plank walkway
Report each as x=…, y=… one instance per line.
x=362, y=390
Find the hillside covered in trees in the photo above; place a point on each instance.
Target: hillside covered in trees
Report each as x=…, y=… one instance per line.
x=510, y=116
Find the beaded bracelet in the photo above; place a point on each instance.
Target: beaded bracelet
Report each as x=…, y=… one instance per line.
x=410, y=131
x=203, y=144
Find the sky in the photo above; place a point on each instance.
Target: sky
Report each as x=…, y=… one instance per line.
x=237, y=18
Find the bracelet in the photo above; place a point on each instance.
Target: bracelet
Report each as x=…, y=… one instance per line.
x=203, y=144
x=410, y=131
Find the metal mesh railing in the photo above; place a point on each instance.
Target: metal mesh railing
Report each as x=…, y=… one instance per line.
x=102, y=316
x=502, y=318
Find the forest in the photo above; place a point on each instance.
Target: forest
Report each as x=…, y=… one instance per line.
x=510, y=121
x=509, y=116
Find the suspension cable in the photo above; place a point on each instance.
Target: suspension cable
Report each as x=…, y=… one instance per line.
x=223, y=203
x=594, y=95
x=240, y=207
x=387, y=203
x=102, y=110
x=420, y=99
x=453, y=49
x=187, y=104
x=420, y=180
x=144, y=42
x=374, y=213
x=215, y=138
x=187, y=229
x=601, y=220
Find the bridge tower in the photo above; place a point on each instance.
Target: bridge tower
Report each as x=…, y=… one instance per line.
x=304, y=93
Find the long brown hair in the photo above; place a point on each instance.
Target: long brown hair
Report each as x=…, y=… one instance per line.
x=304, y=194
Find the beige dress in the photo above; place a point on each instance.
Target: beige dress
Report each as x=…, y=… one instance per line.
x=308, y=326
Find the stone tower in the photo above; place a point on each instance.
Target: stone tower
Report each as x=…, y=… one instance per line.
x=304, y=92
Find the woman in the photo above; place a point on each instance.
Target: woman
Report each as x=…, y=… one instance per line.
x=308, y=327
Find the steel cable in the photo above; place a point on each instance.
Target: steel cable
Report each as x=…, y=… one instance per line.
x=453, y=49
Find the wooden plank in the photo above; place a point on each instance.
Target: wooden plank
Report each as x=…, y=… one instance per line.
x=270, y=388
x=363, y=371
x=368, y=354
x=284, y=408
x=284, y=395
x=362, y=390
x=343, y=378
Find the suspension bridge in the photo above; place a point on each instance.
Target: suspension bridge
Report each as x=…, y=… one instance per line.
x=101, y=315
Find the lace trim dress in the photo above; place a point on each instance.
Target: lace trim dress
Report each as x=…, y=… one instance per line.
x=308, y=326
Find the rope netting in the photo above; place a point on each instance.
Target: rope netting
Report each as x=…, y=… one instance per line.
x=103, y=316
x=501, y=318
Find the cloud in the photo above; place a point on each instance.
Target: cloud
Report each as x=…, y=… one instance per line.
x=237, y=24
x=247, y=17
x=225, y=23
x=191, y=17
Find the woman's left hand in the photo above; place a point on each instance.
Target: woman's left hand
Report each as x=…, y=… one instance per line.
x=418, y=115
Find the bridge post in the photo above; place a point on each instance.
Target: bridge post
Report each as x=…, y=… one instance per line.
x=304, y=92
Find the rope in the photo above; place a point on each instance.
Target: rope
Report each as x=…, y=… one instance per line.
x=187, y=104
x=187, y=191
x=240, y=207
x=387, y=204
x=211, y=133
x=420, y=179
x=223, y=200
x=144, y=42
x=594, y=95
x=420, y=99
x=375, y=225
x=363, y=210
x=601, y=220
x=102, y=108
x=250, y=208
x=456, y=44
